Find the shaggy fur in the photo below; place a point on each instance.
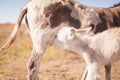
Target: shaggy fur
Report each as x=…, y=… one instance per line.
x=97, y=50
x=44, y=17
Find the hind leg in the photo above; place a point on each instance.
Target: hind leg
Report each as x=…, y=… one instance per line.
x=33, y=65
x=39, y=48
x=108, y=71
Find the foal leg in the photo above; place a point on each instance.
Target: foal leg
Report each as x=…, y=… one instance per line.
x=93, y=73
x=108, y=71
x=85, y=73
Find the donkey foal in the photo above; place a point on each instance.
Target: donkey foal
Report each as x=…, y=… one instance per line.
x=97, y=50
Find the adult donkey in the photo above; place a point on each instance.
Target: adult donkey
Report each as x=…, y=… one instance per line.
x=44, y=18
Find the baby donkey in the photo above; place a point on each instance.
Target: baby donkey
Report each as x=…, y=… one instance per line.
x=97, y=50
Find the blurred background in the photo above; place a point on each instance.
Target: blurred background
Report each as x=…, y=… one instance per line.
x=56, y=64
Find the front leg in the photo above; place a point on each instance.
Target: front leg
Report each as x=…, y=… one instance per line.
x=93, y=72
x=108, y=71
x=85, y=73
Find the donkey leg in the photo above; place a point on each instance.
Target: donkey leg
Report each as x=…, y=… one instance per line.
x=108, y=71
x=39, y=48
x=33, y=65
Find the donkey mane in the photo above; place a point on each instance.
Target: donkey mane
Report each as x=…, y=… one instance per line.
x=115, y=5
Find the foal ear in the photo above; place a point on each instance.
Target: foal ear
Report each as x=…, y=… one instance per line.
x=84, y=30
x=71, y=35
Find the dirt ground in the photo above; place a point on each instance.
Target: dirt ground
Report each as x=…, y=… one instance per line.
x=56, y=64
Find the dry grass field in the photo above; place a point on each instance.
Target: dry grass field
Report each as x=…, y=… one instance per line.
x=56, y=64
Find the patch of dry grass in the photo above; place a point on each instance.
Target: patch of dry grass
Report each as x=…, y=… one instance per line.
x=13, y=60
